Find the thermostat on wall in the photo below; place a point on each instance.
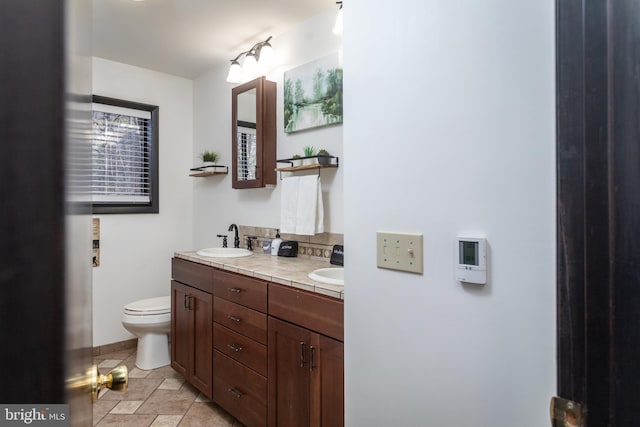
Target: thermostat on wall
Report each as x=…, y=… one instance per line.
x=471, y=260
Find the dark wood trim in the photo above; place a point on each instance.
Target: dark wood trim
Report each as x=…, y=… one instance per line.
x=265, y=133
x=624, y=131
x=598, y=178
x=154, y=205
x=32, y=222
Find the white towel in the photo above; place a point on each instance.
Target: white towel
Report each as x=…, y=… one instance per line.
x=310, y=210
x=289, y=204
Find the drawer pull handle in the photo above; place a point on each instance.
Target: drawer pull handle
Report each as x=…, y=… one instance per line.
x=234, y=347
x=234, y=318
x=313, y=356
x=302, y=361
x=235, y=290
x=237, y=394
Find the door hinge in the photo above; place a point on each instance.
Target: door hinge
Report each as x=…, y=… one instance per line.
x=567, y=413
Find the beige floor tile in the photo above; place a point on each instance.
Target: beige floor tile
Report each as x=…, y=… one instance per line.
x=138, y=389
x=121, y=355
x=138, y=373
x=202, y=399
x=164, y=372
x=171, y=384
x=102, y=408
x=126, y=420
x=126, y=407
x=208, y=414
x=168, y=402
x=167, y=421
x=109, y=363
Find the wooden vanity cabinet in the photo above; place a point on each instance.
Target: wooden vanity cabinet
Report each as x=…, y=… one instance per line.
x=191, y=331
x=266, y=353
x=192, y=323
x=306, y=364
x=240, y=347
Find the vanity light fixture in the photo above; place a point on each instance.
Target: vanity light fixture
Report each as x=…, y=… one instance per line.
x=337, y=28
x=256, y=61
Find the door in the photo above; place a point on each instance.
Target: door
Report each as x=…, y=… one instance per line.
x=598, y=183
x=201, y=307
x=192, y=335
x=288, y=379
x=327, y=382
x=180, y=329
x=45, y=229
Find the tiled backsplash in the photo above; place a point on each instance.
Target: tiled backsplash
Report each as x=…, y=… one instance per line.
x=318, y=246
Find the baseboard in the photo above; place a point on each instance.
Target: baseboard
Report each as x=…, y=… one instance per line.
x=116, y=346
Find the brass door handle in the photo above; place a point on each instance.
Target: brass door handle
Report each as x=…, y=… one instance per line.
x=117, y=380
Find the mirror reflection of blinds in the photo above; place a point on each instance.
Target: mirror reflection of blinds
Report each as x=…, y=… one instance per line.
x=246, y=154
x=121, y=155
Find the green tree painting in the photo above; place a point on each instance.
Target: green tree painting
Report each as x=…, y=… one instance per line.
x=313, y=95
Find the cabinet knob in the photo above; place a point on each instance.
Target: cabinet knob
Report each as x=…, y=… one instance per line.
x=234, y=347
x=234, y=318
x=236, y=393
x=312, y=356
x=302, y=361
x=234, y=290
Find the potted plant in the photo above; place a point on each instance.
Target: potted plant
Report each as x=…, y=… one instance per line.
x=309, y=151
x=296, y=160
x=324, y=158
x=209, y=158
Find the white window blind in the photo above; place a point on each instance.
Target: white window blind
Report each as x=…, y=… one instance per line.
x=121, y=155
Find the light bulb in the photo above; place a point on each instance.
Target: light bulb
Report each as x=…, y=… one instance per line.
x=235, y=72
x=266, y=56
x=249, y=67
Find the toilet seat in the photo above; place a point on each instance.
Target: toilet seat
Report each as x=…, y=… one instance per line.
x=149, y=306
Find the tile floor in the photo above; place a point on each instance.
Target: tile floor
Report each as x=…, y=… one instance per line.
x=156, y=398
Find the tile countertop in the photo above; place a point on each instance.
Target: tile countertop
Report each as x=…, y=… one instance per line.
x=285, y=271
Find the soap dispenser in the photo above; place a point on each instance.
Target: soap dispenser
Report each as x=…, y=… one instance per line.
x=266, y=243
x=275, y=244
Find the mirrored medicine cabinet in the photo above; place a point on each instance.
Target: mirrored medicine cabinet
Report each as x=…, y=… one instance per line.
x=254, y=134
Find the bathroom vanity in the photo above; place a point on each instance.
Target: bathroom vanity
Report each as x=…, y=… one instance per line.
x=259, y=338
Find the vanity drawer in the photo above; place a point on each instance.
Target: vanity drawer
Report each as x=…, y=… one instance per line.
x=193, y=274
x=239, y=390
x=243, y=290
x=240, y=319
x=313, y=311
x=240, y=348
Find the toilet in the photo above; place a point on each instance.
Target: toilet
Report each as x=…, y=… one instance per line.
x=150, y=320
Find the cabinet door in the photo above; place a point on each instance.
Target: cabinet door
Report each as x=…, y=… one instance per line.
x=288, y=378
x=201, y=307
x=327, y=382
x=180, y=329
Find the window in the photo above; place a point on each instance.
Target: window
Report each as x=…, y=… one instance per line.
x=124, y=166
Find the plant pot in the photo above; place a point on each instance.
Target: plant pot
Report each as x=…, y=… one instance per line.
x=296, y=162
x=205, y=164
x=311, y=161
x=324, y=159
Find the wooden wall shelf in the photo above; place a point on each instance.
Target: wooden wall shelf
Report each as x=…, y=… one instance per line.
x=203, y=171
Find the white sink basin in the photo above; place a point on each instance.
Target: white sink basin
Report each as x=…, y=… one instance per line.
x=224, y=252
x=330, y=276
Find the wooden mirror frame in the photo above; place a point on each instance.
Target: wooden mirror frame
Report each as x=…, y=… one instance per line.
x=265, y=133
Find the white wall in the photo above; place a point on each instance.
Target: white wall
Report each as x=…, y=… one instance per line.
x=136, y=250
x=216, y=204
x=449, y=128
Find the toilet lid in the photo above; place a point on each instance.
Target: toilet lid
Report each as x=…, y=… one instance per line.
x=158, y=305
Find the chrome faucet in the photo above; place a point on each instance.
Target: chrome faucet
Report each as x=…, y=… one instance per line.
x=236, y=239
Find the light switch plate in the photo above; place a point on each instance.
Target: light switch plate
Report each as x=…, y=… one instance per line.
x=400, y=251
